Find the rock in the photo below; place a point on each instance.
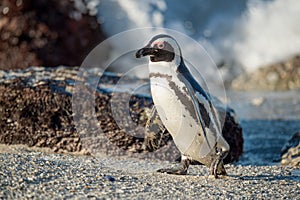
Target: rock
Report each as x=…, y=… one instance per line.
x=36, y=109
x=45, y=32
x=232, y=132
x=257, y=101
x=280, y=76
x=290, y=153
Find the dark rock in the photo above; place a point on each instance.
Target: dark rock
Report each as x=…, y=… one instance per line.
x=290, y=153
x=110, y=178
x=45, y=32
x=281, y=76
x=36, y=109
x=36, y=116
x=232, y=132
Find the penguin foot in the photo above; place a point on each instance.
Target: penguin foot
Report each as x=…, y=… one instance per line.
x=217, y=166
x=180, y=169
x=176, y=170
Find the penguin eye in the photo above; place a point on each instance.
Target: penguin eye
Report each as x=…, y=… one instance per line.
x=161, y=45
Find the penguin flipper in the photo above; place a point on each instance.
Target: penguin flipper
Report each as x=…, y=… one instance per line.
x=154, y=131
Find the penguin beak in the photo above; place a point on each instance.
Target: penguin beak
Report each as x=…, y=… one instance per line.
x=145, y=51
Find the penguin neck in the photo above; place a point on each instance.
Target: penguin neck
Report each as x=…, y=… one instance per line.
x=164, y=68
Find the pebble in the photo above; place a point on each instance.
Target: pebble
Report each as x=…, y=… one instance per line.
x=27, y=173
x=110, y=178
x=257, y=101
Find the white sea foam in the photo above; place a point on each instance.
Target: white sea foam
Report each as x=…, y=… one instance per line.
x=266, y=33
x=244, y=34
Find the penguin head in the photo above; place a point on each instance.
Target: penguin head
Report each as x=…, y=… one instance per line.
x=161, y=48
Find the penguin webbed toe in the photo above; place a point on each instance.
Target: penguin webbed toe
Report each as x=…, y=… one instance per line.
x=175, y=170
x=178, y=169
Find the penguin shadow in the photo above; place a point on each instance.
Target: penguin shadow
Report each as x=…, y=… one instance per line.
x=293, y=175
x=234, y=177
x=263, y=143
x=260, y=177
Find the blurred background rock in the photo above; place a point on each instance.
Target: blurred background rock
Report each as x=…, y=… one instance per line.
x=255, y=44
x=45, y=32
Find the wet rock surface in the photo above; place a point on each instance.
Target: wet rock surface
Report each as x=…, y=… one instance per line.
x=290, y=153
x=36, y=109
x=280, y=76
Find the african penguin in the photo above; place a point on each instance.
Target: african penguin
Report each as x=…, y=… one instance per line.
x=183, y=108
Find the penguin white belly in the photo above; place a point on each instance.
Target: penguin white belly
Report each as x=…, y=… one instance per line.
x=185, y=130
x=170, y=110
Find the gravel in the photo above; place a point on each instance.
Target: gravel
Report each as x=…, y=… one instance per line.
x=39, y=174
